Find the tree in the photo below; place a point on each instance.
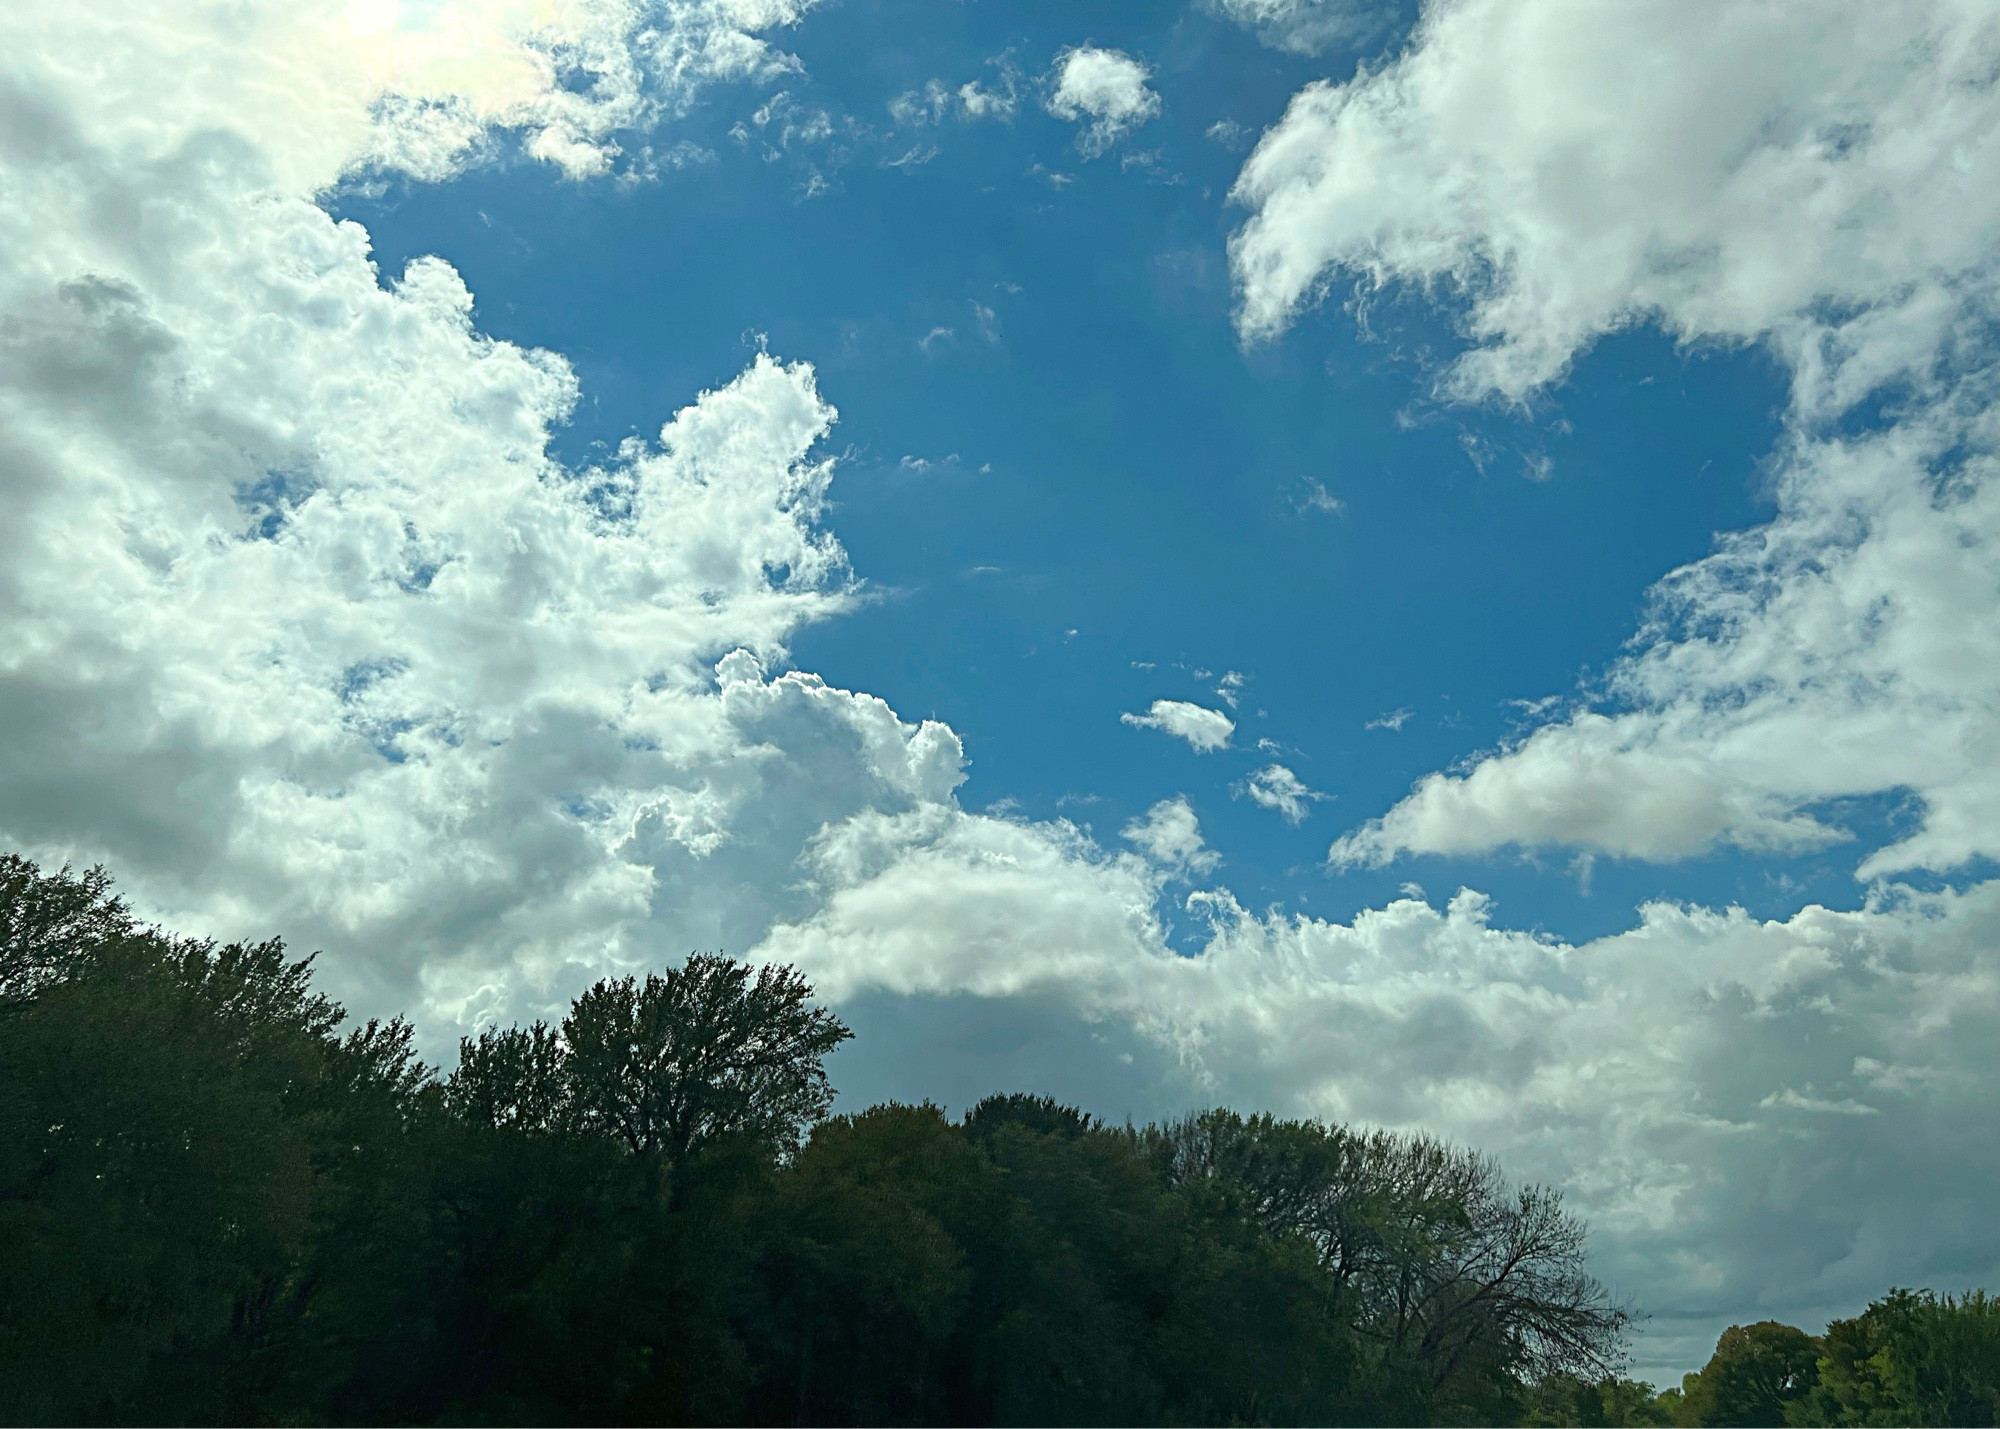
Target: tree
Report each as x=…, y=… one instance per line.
x=512, y=1079
x=1563, y=1399
x=1912, y=1357
x=703, y=1052
x=49, y=923
x=181, y=1131
x=1755, y=1374
x=882, y=1216
x=1463, y=1286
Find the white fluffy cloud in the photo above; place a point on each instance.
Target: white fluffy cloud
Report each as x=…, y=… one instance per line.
x=1204, y=729
x=1305, y=27
x=1815, y=179
x=1171, y=835
x=1727, y=169
x=303, y=626
x=1106, y=91
x=1737, y=1104
x=1276, y=787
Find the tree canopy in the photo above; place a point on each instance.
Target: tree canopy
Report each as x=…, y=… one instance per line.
x=220, y=1202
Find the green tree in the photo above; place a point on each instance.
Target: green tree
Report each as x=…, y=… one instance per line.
x=1564, y=1399
x=1912, y=1357
x=1756, y=1373
x=882, y=1221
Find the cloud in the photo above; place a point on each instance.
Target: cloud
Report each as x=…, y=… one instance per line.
x=1593, y=783
x=1305, y=27
x=1392, y=721
x=1847, y=649
x=1229, y=134
x=979, y=102
x=1276, y=787
x=1569, y=174
x=304, y=627
x=318, y=90
x=916, y=107
x=1105, y=90
x=1205, y=729
x=1737, y=1105
x=1773, y=174
x=1317, y=498
x=1171, y=836
x=971, y=102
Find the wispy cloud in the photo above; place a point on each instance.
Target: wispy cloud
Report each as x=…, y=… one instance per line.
x=1276, y=787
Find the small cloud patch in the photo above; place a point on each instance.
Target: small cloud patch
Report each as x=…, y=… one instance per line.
x=1106, y=91
x=1205, y=730
x=1278, y=788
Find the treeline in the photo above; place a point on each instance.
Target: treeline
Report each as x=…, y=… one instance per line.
x=1912, y=1357
x=220, y=1203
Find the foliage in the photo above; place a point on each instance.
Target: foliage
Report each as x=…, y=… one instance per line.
x=705, y=1051
x=1755, y=1375
x=1565, y=1399
x=218, y=1203
x=1912, y=1357
x=1457, y=1287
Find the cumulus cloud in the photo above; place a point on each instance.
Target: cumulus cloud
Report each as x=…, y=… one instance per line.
x=1784, y=174
x=1206, y=730
x=1728, y=170
x=1736, y=1104
x=1171, y=835
x=1850, y=648
x=1104, y=90
x=1278, y=788
x=1305, y=27
x=304, y=627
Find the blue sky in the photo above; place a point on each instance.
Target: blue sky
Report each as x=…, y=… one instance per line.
x=1557, y=445
x=1071, y=488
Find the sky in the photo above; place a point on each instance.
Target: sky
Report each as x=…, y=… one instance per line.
x=1435, y=567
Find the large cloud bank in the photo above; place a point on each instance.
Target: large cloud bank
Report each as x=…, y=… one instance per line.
x=1818, y=180
x=304, y=628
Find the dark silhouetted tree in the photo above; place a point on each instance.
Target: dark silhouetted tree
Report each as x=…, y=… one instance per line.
x=1463, y=1287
